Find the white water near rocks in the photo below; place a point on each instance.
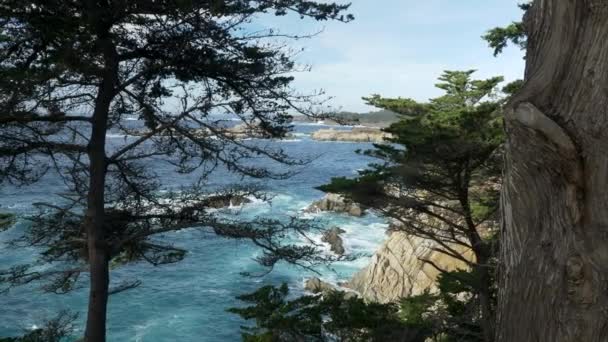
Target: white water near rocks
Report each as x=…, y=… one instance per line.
x=188, y=301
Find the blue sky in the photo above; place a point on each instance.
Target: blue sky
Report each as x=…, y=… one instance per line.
x=400, y=47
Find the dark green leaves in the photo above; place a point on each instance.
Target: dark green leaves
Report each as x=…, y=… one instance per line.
x=498, y=38
x=318, y=318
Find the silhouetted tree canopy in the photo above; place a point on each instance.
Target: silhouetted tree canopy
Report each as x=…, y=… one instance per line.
x=72, y=71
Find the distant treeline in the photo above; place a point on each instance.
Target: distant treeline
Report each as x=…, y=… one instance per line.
x=379, y=118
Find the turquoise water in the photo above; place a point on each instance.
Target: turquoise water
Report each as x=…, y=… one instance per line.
x=188, y=301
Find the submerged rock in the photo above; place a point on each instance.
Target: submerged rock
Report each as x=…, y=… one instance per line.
x=357, y=134
x=6, y=220
x=335, y=203
x=332, y=237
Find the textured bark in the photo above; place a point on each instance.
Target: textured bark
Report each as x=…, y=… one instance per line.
x=555, y=194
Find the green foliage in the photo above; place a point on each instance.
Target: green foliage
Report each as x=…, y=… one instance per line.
x=438, y=178
x=463, y=119
x=449, y=315
x=446, y=147
x=329, y=317
x=513, y=87
x=484, y=206
x=414, y=309
x=452, y=313
x=499, y=37
x=366, y=186
x=278, y=319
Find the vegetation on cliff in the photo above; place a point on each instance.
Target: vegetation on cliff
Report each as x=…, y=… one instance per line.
x=440, y=177
x=439, y=180
x=448, y=315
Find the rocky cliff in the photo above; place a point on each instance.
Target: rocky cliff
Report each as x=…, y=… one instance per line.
x=397, y=269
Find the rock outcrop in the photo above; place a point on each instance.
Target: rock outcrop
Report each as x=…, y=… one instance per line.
x=332, y=237
x=335, y=203
x=6, y=220
x=398, y=269
x=245, y=131
x=237, y=132
x=357, y=134
x=226, y=200
x=316, y=286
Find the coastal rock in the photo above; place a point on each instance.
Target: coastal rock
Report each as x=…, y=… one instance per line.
x=407, y=264
x=6, y=220
x=355, y=210
x=335, y=203
x=332, y=237
x=238, y=132
x=398, y=269
x=226, y=200
x=316, y=286
x=245, y=131
x=357, y=134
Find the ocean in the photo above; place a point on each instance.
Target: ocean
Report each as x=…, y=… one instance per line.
x=187, y=301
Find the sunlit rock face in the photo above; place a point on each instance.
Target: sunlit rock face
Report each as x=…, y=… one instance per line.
x=401, y=268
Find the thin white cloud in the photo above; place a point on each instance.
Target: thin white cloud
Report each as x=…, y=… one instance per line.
x=400, y=47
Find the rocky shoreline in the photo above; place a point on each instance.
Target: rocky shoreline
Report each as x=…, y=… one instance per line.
x=357, y=134
x=254, y=131
x=402, y=266
x=238, y=132
x=396, y=270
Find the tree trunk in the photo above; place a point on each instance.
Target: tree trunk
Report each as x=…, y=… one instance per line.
x=98, y=251
x=482, y=266
x=554, y=255
x=485, y=302
x=484, y=291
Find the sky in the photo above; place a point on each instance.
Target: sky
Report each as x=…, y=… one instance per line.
x=398, y=48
